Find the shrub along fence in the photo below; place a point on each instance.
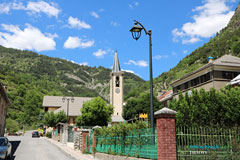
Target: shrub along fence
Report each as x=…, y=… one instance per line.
x=171, y=142
x=136, y=143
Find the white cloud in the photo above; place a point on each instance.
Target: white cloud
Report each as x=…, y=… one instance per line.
x=5, y=8
x=140, y=63
x=129, y=5
x=210, y=18
x=99, y=53
x=76, y=42
x=81, y=64
x=185, y=51
x=115, y=24
x=41, y=6
x=190, y=40
x=84, y=64
x=30, y=38
x=76, y=23
x=129, y=71
x=158, y=57
x=94, y=14
x=135, y=4
x=49, y=9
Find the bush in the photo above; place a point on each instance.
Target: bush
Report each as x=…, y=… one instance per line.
x=12, y=126
x=48, y=134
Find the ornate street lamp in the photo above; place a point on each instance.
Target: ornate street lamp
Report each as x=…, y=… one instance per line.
x=68, y=99
x=136, y=34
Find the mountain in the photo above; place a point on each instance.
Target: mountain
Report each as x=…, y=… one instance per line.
x=227, y=41
x=29, y=76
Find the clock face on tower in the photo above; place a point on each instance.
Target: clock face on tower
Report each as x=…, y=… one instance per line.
x=117, y=90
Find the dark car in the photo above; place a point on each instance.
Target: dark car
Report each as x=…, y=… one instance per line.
x=35, y=134
x=5, y=148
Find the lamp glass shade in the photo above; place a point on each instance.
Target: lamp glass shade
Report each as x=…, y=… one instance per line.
x=136, y=31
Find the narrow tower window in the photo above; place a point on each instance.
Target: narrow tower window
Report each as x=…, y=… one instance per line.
x=117, y=82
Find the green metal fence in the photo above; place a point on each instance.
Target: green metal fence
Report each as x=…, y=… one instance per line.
x=137, y=143
x=90, y=142
x=208, y=143
x=55, y=133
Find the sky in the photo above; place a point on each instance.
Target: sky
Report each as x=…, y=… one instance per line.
x=88, y=32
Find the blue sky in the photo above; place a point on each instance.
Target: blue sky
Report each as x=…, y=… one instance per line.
x=88, y=32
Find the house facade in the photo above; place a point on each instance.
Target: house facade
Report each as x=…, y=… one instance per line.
x=57, y=104
x=4, y=104
x=215, y=74
x=165, y=97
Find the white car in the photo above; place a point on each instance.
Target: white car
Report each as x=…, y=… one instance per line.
x=5, y=148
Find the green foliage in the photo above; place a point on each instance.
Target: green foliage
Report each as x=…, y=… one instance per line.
x=128, y=139
x=121, y=129
x=236, y=48
x=30, y=76
x=213, y=108
x=61, y=117
x=95, y=112
x=50, y=119
x=139, y=104
x=48, y=134
x=12, y=126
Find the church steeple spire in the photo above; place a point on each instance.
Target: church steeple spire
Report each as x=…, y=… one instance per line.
x=116, y=65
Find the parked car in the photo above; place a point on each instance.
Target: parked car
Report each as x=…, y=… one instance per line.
x=5, y=148
x=35, y=134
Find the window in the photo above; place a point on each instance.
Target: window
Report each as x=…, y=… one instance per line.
x=207, y=77
x=227, y=75
x=117, y=82
x=201, y=79
x=235, y=74
x=175, y=90
x=186, y=85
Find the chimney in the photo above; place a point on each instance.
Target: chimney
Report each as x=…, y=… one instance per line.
x=210, y=59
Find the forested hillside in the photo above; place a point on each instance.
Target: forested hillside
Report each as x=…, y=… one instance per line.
x=29, y=76
x=225, y=42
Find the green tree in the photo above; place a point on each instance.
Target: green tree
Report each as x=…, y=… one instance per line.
x=61, y=117
x=49, y=119
x=208, y=108
x=95, y=112
x=11, y=125
x=236, y=48
x=140, y=104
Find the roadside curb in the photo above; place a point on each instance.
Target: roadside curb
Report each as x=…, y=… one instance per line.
x=76, y=155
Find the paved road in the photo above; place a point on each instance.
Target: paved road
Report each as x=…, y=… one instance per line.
x=28, y=148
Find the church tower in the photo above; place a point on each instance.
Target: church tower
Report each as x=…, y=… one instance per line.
x=116, y=90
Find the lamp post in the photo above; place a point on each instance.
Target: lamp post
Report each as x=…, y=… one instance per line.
x=136, y=34
x=68, y=99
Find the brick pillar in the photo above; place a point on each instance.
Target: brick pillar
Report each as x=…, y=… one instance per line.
x=166, y=136
x=85, y=133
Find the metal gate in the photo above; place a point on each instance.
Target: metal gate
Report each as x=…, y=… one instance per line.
x=70, y=133
x=90, y=142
